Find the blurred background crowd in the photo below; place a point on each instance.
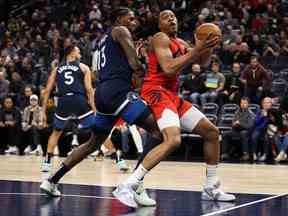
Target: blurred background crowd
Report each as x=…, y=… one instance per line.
x=241, y=91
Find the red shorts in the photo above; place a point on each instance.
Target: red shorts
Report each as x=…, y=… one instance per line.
x=161, y=101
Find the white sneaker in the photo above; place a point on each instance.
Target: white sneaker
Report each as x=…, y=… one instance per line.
x=122, y=165
x=94, y=154
x=262, y=158
x=50, y=188
x=281, y=156
x=37, y=151
x=27, y=150
x=255, y=158
x=125, y=193
x=216, y=194
x=46, y=167
x=142, y=198
x=11, y=150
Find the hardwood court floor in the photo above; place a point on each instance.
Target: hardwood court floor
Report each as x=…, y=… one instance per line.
x=236, y=178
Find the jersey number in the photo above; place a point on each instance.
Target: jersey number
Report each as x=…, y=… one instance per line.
x=69, y=79
x=100, y=58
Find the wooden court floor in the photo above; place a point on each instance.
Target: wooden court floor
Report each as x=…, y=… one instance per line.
x=260, y=190
x=186, y=176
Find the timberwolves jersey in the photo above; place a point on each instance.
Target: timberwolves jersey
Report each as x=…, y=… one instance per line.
x=115, y=74
x=72, y=98
x=70, y=79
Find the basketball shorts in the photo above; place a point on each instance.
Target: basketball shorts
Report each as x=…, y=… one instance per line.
x=170, y=110
x=74, y=106
x=131, y=110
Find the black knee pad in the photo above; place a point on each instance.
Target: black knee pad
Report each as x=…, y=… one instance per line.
x=116, y=138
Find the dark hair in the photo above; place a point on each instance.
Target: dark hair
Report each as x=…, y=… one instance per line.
x=246, y=99
x=254, y=57
x=69, y=49
x=6, y=98
x=119, y=12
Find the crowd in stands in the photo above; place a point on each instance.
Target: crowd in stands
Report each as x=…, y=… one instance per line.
x=247, y=70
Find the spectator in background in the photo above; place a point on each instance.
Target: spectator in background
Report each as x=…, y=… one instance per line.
x=95, y=13
x=256, y=44
x=271, y=135
x=282, y=142
x=16, y=87
x=10, y=126
x=260, y=126
x=25, y=99
x=4, y=86
x=9, y=50
x=31, y=124
x=240, y=50
x=258, y=23
x=194, y=85
x=254, y=77
x=284, y=48
x=214, y=82
x=271, y=48
x=86, y=48
x=242, y=122
x=233, y=90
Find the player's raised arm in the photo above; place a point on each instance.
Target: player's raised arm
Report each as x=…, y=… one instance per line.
x=124, y=37
x=88, y=85
x=172, y=66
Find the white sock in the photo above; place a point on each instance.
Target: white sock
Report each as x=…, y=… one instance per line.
x=211, y=177
x=137, y=175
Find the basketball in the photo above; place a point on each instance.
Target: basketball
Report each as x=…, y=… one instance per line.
x=205, y=29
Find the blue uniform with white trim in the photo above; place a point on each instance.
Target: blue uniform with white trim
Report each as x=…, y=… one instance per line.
x=72, y=97
x=114, y=95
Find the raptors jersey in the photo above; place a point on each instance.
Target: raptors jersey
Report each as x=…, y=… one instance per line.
x=155, y=75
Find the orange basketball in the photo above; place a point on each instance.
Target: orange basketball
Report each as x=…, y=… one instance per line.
x=205, y=29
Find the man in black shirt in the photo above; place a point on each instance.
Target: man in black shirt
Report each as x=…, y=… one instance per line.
x=193, y=85
x=10, y=122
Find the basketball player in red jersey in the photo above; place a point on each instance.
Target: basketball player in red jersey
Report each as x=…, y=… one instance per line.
x=168, y=57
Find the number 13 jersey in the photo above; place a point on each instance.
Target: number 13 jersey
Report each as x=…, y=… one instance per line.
x=115, y=74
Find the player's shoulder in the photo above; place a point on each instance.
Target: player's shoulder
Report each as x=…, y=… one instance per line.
x=84, y=67
x=160, y=35
x=120, y=31
x=120, y=28
x=160, y=38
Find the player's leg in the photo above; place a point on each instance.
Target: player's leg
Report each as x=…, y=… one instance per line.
x=101, y=129
x=171, y=134
x=49, y=186
x=155, y=136
x=117, y=141
x=169, y=125
x=52, y=143
x=192, y=120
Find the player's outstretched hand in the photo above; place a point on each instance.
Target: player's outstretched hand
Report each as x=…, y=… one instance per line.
x=209, y=43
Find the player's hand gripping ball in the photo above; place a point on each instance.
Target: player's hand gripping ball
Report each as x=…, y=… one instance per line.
x=208, y=29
